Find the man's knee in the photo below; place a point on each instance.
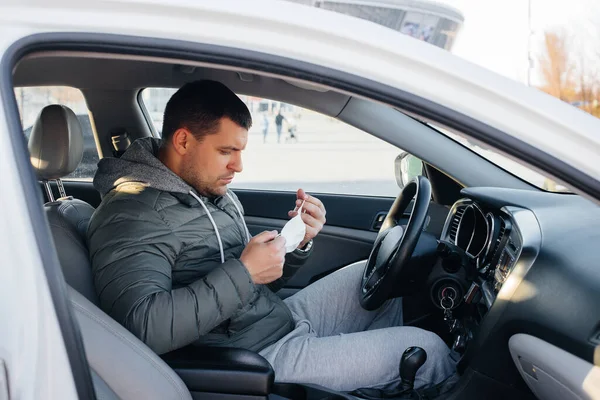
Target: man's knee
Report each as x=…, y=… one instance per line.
x=436, y=344
x=429, y=339
x=439, y=364
x=355, y=270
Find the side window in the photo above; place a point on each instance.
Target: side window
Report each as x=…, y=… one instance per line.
x=31, y=101
x=290, y=147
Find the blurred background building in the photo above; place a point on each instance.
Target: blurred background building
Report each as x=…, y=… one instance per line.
x=431, y=22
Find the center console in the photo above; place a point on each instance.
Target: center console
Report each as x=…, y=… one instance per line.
x=231, y=373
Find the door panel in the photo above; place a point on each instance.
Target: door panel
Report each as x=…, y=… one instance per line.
x=347, y=237
x=356, y=212
x=334, y=248
x=551, y=372
x=343, y=211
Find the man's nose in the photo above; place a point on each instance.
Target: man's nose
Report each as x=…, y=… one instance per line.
x=236, y=164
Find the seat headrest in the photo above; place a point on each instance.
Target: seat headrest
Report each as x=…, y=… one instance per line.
x=56, y=142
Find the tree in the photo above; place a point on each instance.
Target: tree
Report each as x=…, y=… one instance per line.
x=570, y=68
x=587, y=84
x=557, y=67
x=594, y=65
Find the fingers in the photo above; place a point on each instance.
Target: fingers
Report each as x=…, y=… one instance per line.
x=264, y=237
x=313, y=213
x=313, y=216
x=308, y=199
x=278, y=242
x=314, y=210
x=312, y=222
x=316, y=202
x=278, y=247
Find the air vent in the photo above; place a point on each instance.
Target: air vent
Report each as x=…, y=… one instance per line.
x=499, y=239
x=455, y=222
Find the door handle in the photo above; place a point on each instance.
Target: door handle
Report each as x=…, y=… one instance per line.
x=378, y=221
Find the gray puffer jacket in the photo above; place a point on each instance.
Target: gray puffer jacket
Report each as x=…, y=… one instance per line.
x=157, y=260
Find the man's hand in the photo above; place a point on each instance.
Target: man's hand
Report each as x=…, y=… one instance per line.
x=264, y=256
x=313, y=215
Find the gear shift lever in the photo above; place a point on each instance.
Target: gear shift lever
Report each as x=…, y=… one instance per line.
x=412, y=359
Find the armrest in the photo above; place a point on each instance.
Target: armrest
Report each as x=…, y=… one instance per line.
x=222, y=370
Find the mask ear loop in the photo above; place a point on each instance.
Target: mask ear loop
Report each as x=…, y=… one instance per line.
x=300, y=209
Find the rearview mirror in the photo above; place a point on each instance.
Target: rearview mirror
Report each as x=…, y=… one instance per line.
x=407, y=167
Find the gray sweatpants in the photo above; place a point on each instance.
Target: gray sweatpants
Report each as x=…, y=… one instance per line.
x=339, y=345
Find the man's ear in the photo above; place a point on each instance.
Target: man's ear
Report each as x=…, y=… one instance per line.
x=181, y=141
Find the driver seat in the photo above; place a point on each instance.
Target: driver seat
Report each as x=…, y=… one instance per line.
x=122, y=367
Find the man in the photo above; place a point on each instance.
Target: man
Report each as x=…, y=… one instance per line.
x=265, y=126
x=173, y=260
x=279, y=118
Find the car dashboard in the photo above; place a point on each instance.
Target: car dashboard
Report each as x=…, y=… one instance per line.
x=492, y=241
x=520, y=262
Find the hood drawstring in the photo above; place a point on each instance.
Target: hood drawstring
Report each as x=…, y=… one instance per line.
x=241, y=216
x=212, y=221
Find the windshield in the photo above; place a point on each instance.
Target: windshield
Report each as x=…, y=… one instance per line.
x=548, y=45
x=519, y=170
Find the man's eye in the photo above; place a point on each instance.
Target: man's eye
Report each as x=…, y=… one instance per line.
x=225, y=153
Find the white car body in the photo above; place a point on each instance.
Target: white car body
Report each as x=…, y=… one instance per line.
x=336, y=41
x=302, y=33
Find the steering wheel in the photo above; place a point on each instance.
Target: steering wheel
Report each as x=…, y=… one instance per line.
x=394, y=245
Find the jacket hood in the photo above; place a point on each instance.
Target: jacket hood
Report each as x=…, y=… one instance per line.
x=139, y=164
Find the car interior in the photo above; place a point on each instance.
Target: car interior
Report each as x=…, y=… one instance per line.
x=504, y=272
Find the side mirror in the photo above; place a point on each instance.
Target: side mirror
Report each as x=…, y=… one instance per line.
x=407, y=167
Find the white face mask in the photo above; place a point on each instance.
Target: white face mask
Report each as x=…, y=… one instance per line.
x=293, y=232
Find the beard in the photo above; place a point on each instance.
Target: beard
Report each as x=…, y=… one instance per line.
x=207, y=188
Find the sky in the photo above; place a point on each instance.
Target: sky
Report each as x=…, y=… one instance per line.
x=495, y=32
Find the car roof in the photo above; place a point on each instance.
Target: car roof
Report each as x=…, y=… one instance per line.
x=339, y=42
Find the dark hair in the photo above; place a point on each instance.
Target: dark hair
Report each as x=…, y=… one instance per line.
x=199, y=107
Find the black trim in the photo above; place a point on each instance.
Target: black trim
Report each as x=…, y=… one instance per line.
x=56, y=282
x=138, y=97
x=121, y=44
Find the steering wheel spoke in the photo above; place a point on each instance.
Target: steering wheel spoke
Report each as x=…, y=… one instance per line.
x=394, y=245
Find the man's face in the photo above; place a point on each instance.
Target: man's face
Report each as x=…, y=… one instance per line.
x=211, y=163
